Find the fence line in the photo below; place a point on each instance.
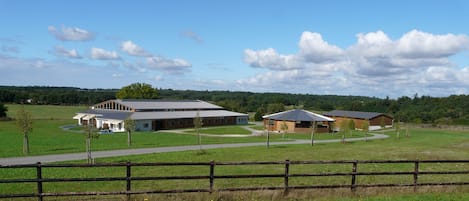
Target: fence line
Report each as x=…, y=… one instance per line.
x=211, y=177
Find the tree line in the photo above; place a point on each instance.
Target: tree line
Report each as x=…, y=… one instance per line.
x=453, y=109
x=54, y=95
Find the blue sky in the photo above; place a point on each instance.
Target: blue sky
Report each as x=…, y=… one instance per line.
x=370, y=48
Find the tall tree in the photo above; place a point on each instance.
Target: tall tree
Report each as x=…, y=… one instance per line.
x=137, y=91
x=3, y=110
x=344, y=129
x=90, y=133
x=366, y=128
x=313, y=131
x=351, y=125
x=25, y=124
x=129, y=125
x=382, y=123
x=398, y=128
x=198, y=123
x=284, y=128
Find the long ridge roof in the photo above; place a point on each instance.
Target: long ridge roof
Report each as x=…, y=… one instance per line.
x=297, y=115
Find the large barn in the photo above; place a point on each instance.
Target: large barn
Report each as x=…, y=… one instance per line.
x=297, y=121
x=374, y=119
x=152, y=115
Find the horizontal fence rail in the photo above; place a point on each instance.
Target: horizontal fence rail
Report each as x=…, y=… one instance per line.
x=286, y=175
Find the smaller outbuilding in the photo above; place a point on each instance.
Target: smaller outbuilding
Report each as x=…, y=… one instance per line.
x=297, y=121
x=375, y=120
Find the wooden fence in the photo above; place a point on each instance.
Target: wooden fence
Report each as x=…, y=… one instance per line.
x=211, y=176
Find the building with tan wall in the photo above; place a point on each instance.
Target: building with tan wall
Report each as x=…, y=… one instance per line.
x=374, y=119
x=297, y=121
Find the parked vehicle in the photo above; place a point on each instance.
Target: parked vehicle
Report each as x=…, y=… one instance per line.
x=106, y=131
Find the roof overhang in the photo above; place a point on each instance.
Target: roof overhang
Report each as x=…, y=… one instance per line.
x=79, y=116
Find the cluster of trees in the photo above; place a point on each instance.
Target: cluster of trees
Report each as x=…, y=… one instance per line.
x=54, y=95
x=3, y=111
x=418, y=109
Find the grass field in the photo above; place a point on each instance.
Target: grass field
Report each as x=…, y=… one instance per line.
x=48, y=138
x=221, y=130
x=422, y=144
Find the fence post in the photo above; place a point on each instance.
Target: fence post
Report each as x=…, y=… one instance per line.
x=128, y=179
x=212, y=170
x=354, y=171
x=416, y=175
x=287, y=174
x=39, y=181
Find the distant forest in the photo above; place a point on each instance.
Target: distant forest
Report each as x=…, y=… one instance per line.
x=418, y=109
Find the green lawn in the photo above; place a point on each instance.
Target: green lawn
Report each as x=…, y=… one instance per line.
x=50, y=112
x=258, y=127
x=422, y=144
x=222, y=130
x=48, y=138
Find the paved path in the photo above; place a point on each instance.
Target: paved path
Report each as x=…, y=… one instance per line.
x=126, y=152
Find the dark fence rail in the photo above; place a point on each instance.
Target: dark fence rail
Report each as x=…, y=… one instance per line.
x=211, y=176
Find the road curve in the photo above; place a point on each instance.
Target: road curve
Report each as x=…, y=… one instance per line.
x=126, y=152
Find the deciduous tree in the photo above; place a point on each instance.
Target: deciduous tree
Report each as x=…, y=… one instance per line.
x=3, y=110
x=137, y=91
x=198, y=123
x=129, y=126
x=90, y=133
x=351, y=125
x=25, y=124
x=344, y=129
x=366, y=128
x=313, y=131
x=398, y=128
x=284, y=128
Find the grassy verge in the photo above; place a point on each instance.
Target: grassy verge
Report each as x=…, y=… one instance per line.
x=223, y=130
x=258, y=127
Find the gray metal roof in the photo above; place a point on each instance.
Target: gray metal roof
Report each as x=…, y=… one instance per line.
x=297, y=115
x=108, y=114
x=184, y=114
x=167, y=104
x=353, y=114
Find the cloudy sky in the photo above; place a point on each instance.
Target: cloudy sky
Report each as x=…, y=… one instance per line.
x=371, y=48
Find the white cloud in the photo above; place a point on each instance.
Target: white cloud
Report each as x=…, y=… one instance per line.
x=101, y=54
x=62, y=52
x=192, y=35
x=270, y=59
x=314, y=49
x=71, y=34
x=133, y=49
x=157, y=62
x=418, y=44
x=40, y=72
x=374, y=65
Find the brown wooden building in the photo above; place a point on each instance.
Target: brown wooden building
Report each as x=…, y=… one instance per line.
x=297, y=121
x=375, y=120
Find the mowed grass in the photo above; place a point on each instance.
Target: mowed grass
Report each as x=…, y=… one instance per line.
x=422, y=144
x=222, y=130
x=48, y=138
x=49, y=112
